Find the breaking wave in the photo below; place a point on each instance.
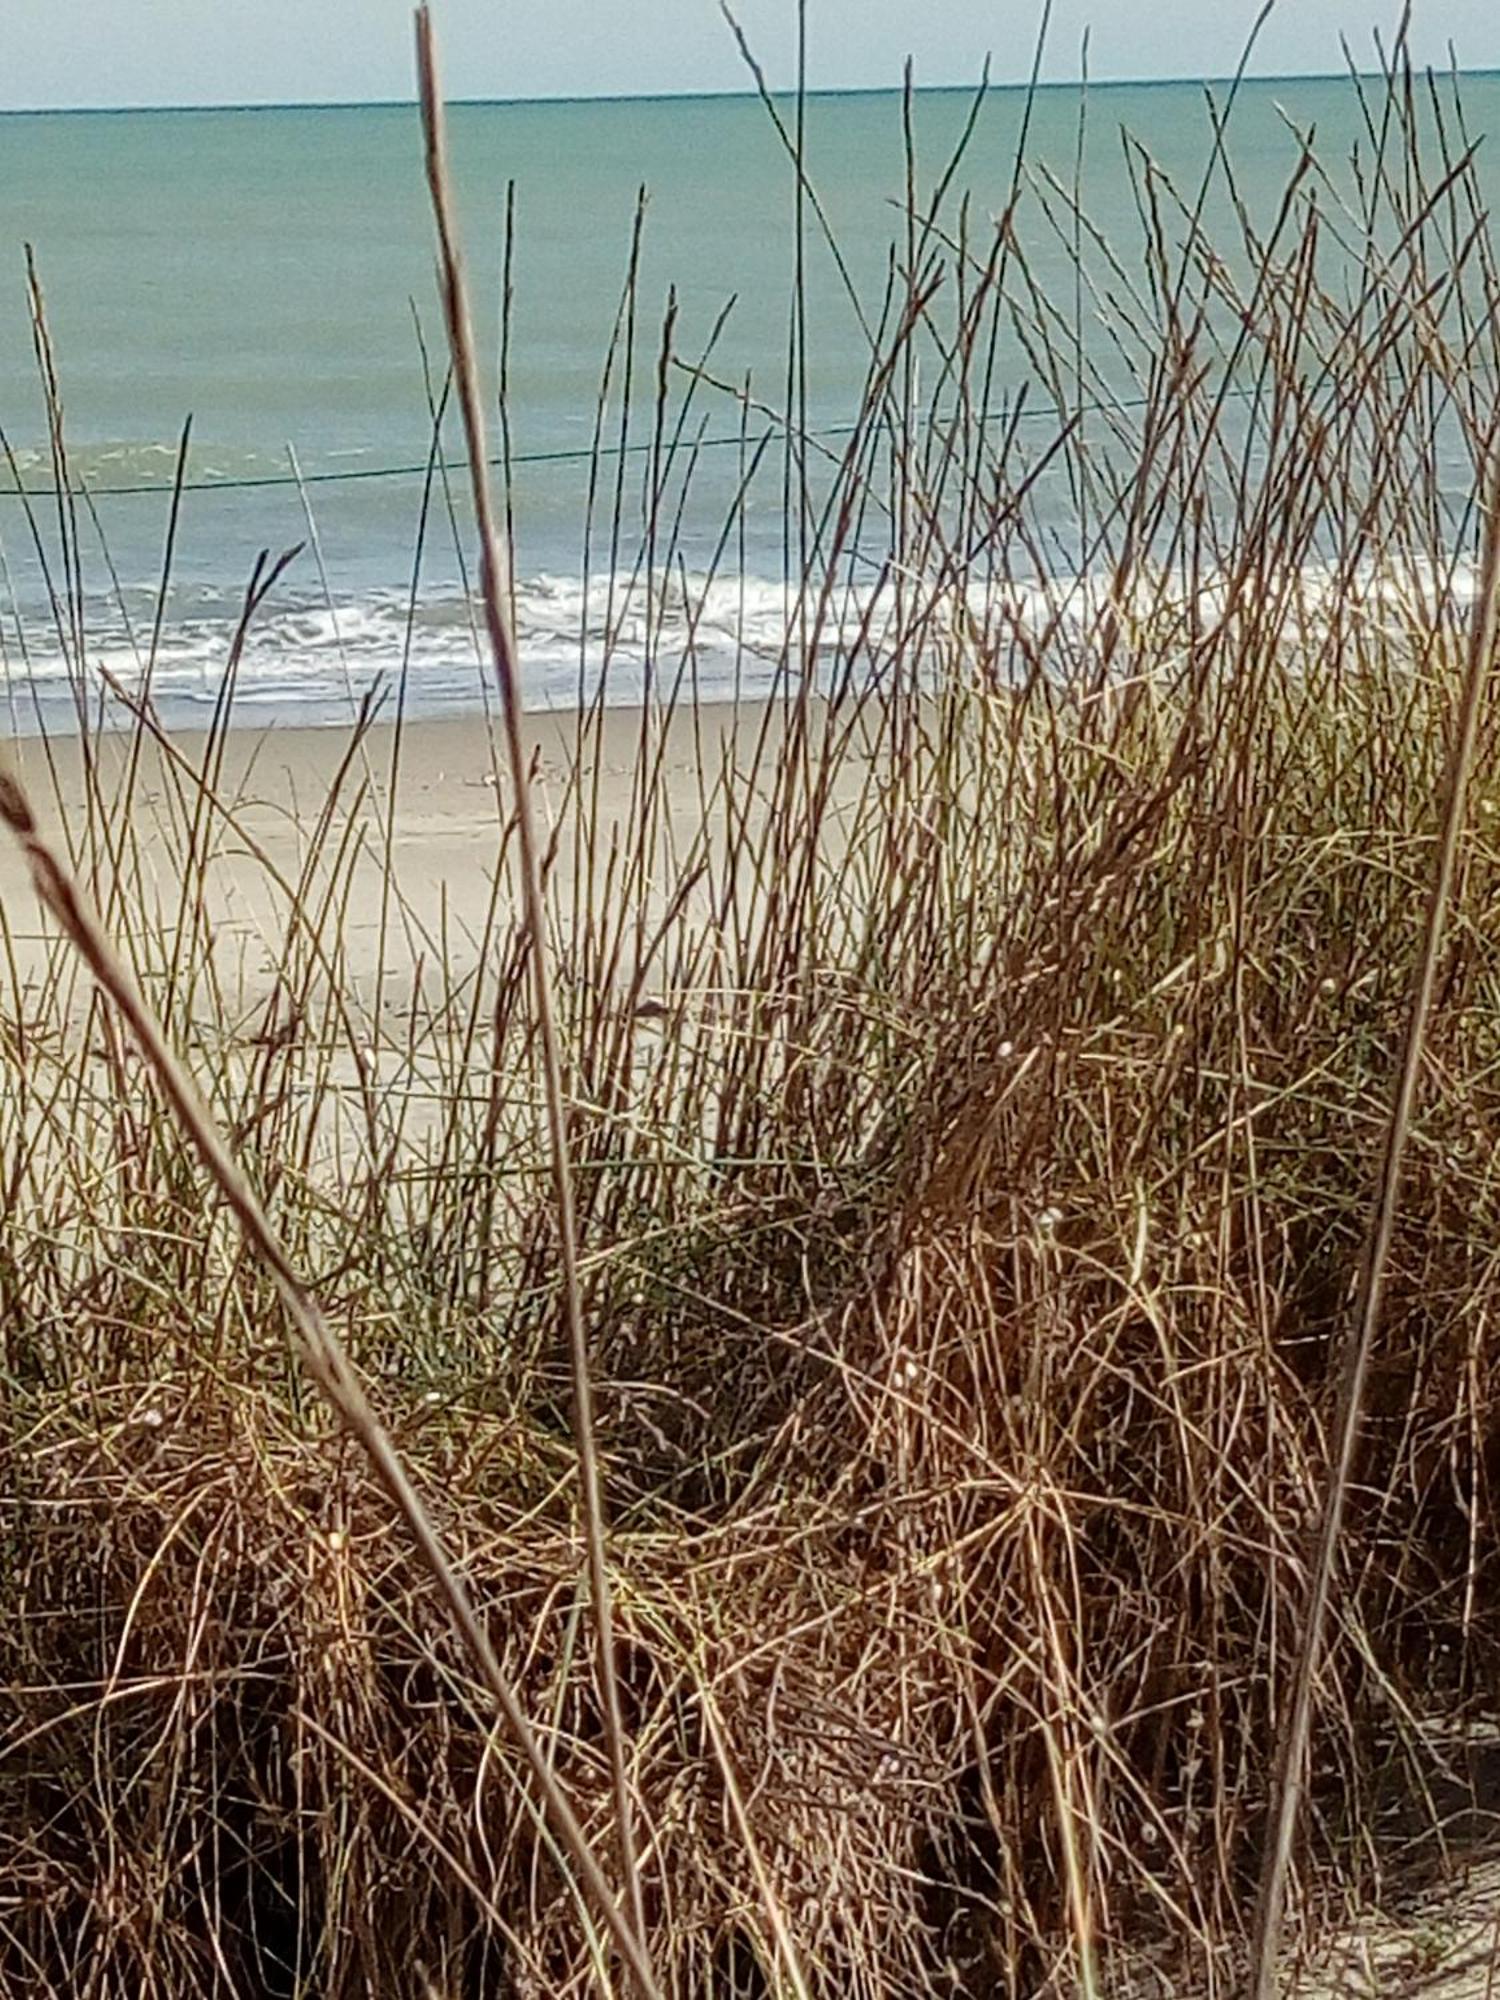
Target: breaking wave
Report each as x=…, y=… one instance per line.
x=627, y=636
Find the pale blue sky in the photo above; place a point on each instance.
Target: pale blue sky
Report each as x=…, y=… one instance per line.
x=120, y=52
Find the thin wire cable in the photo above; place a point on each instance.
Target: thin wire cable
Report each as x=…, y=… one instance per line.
x=573, y=455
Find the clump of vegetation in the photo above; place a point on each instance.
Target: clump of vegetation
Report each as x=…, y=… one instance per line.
x=974, y=1102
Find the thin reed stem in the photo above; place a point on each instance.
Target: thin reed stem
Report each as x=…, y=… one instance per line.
x=495, y=592
x=1364, y=1324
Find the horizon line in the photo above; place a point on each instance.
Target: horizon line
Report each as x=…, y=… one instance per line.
x=703, y=96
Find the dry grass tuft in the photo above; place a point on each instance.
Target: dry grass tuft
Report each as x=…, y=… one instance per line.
x=973, y=1101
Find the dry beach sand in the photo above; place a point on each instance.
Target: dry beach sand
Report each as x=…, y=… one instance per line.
x=423, y=806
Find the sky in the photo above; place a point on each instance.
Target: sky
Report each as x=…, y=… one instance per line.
x=115, y=53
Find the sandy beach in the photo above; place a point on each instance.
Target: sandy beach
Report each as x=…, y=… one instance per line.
x=422, y=808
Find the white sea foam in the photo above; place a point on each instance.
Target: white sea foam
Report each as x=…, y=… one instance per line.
x=712, y=637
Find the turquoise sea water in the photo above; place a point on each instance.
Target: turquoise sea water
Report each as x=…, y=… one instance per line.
x=267, y=273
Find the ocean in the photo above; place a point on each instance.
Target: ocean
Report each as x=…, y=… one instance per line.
x=269, y=275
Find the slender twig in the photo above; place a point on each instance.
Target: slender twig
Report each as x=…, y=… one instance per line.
x=1365, y=1324
x=494, y=568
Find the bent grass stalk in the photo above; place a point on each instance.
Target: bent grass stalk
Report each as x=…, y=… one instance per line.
x=320, y=1347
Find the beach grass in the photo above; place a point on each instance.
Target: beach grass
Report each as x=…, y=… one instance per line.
x=971, y=1070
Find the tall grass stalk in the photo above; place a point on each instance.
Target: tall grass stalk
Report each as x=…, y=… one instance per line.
x=1365, y=1324
x=495, y=594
